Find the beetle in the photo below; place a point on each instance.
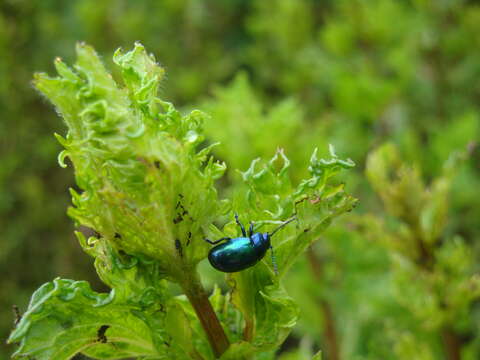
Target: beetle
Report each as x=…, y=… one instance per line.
x=242, y=252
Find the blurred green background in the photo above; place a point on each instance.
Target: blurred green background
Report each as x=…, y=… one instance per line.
x=356, y=74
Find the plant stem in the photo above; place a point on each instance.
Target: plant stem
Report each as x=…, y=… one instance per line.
x=451, y=343
x=198, y=298
x=248, y=330
x=196, y=355
x=330, y=331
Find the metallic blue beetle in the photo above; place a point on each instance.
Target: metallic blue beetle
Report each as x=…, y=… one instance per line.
x=243, y=252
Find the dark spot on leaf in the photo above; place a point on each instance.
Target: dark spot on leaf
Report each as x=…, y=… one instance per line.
x=17, y=315
x=306, y=230
x=117, y=236
x=101, y=334
x=156, y=163
x=178, y=219
x=67, y=324
x=184, y=211
x=181, y=214
x=178, y=246
x=189, y=237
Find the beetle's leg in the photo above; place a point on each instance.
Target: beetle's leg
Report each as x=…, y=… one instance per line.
x=250, y=233
x=244, y=233
x=216, y=241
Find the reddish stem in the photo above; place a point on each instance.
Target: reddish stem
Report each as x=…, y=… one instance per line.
x=330, y=331
x=198, y=298
x=451, y=343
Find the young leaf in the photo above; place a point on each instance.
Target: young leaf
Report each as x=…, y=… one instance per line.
x=143, y=185
x=66, y=317
x=148, y=193
x=268, y=311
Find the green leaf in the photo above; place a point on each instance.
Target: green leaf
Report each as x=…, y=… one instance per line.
x=422, y=208
x=144, y=186
x=315, y=201
x=434, y=274
x=245, y=127
x=137, y=318
x=66, y=317
x=269, y=312
x=239, y=351
x=147, y=192
x=393, y=180
x=146, y=189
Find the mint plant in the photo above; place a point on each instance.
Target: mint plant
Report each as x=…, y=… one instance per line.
x=146, y=189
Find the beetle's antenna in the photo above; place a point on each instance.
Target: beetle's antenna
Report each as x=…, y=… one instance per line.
x=281, y=226
x=274, y=261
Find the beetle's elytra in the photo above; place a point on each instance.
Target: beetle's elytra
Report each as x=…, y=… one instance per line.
x=243, y=252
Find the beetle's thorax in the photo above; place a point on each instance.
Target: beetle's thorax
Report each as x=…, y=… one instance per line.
x=266, y=239
x=261, y=241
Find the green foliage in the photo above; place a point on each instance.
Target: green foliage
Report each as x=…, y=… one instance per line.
x=134, y=156
x=435, y=273
x=295, y=75
x=149, y=195
x=244, y=128
x=272, y=196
